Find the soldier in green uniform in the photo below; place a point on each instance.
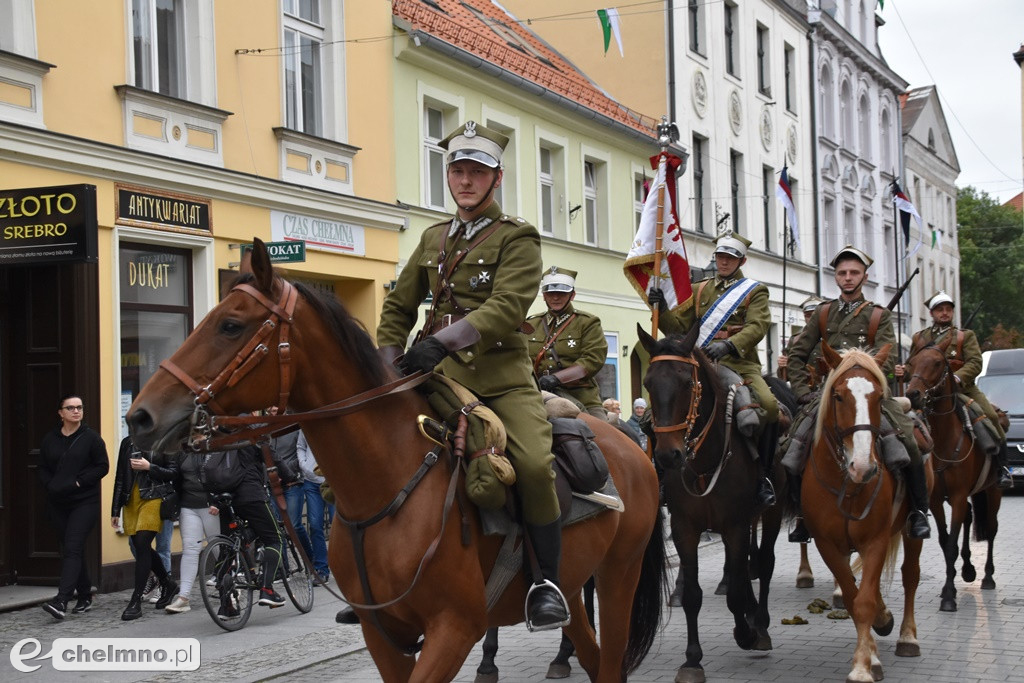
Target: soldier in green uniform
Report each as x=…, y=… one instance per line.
x=807, y=307
x=567, y=345
x=846, y=323
x=964, y=354
x=483, y=268
x=733, y=314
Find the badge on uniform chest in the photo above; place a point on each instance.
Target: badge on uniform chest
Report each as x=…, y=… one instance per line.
x=477, y=280
x=571, y=343
x=861, y=339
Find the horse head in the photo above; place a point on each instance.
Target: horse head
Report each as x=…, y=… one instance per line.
x=257, y=348
x=850, y=415
x=675, y=381
x=928, y=370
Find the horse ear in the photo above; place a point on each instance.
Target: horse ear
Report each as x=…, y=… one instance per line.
x=646, y=340
x=690, y=340
x=259, y=263
x=832, y=359
x=883, y=355
x=946, y=342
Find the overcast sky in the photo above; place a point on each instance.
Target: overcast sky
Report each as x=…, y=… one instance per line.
x=966, y=49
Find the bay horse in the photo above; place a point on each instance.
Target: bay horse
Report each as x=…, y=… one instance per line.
x=711, y=479
x=849, y=505
x=963, y=474
x=408, y=569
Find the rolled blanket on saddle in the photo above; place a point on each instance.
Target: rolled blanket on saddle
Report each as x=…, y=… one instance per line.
x=746, y=413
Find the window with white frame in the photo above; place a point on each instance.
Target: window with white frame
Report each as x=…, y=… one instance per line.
x=696, y=32
x=434, y=126
x=158, y=50
x=846, y=115
x=735, y=188
x=639, y=194
x=551, y=186
x=590, y=198
x=884, y=143
x=506, y=193
x=789, y=71
x=547, y=192
x=764, y=83
x=827, y=93
x=768, y=206
x=607, y=377
x=731, y=39
x=700, y=183
x=864, y=120
x=303, y=73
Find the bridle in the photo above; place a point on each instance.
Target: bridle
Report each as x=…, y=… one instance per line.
x=930, y=394
x=836, y=442
x=211, y=431
x=694, y=444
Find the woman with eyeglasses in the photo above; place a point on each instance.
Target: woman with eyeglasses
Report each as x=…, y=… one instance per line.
x=72, y=461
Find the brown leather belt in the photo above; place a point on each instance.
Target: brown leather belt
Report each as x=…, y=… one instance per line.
x=727, y=332
x=452, y=318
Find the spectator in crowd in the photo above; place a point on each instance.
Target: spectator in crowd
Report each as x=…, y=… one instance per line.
x=139, y=486
x=72, y=461
x=198, y=524
x=639, y=407
x=307, y=494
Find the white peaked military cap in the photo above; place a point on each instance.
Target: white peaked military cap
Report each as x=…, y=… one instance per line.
x=851, y=251
x=940, y=297
x=732, y=244
x=558, y=280
x=810, y=303
x=476, y=143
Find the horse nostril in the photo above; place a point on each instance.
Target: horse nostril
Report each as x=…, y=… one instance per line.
x=139, y=419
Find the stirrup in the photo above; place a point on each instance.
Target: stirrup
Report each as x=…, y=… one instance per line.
x=926, y=532
x=1005, y=478
x=799, y=533
x=558, y=592
x=771, y=492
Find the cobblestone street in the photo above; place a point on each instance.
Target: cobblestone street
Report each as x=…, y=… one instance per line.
x=980, y=642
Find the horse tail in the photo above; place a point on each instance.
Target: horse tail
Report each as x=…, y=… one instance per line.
x=982, y=524
x=645, y=619
x=892, y=554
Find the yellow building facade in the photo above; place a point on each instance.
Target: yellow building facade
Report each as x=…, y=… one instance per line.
x=190, y=127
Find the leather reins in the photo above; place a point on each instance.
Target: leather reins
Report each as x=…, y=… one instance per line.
x=694, y=444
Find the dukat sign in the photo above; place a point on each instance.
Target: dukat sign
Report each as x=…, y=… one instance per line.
x=48, y=225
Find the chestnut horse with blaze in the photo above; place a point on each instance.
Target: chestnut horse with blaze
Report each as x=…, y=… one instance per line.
x=424, y=561
x=849, y=504
x=963, y=473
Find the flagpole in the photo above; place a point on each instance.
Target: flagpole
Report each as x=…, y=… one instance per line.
x=785, y=254
x=897, y=228
x=664, y=140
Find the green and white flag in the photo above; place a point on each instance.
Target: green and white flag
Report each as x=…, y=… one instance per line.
x=610, y=24
x=936, y=239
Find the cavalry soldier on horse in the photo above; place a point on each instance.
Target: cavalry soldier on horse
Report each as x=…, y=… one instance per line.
x=851, y=322
x=808, y=306
x=964, y=354
x=483, y=268
x=733, y=313
x=567, y=345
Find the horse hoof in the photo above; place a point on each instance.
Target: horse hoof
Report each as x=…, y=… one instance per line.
x=886, y=628
x=969, y=573
x=837, y=601
x=805, y=582
x=988, y=584
x=486, y=678
x=676, y=599
x=947, y=605
x=723, y=588
x=908, y=650
x=745, y=641
x=763, y=642
x=558, y=670
x=876, y=671
x=690, y=674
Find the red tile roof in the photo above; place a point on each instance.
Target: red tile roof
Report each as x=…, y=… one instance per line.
x=462, y=28
x=1017, y=202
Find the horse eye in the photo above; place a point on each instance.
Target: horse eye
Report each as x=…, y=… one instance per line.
x=231, y=327
x=837, y=397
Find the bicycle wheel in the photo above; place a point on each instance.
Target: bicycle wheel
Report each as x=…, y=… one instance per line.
x=224, y=583
x=298, y=582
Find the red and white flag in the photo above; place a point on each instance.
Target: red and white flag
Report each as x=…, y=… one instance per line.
x=675, y=268
x=785, y=195
x=906, y=210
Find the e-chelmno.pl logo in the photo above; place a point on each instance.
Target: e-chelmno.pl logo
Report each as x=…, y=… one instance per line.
x=108, y=654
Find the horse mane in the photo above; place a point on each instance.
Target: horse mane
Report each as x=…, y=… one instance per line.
x=675, y=345
x=349, y=332
x=851, y=357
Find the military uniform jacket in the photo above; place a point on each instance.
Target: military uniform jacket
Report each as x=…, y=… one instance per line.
x=745, y=328
x=844, y=329
x=580, y=341
x=968, y=353
x=811, y=363
x=493, y=287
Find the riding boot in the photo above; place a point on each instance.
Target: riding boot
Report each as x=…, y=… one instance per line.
x=546, y=607
x=799, y=532
x=917, y=487
x=767, y=444
x=1005, y=478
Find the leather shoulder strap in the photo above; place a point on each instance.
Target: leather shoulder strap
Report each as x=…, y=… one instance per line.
x=876, y=319
x=823, y=318
x=700, y=290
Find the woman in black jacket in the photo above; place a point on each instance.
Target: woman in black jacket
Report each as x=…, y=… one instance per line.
x=72, y=460
x=139, y=485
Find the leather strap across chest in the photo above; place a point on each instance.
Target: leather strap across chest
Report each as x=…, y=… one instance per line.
x=549, y=342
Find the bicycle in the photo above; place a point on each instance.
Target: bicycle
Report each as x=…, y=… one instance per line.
x=231, y=571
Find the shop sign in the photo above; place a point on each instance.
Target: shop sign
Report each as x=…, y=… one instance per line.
x=148, y=208
x=283, y=252
x=48, y=225
x=318, y=233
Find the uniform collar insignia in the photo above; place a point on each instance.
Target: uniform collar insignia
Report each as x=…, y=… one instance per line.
x=849, y=306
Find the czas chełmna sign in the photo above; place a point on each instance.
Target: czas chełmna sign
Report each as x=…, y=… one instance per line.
x=48, y=225
x=283, y=252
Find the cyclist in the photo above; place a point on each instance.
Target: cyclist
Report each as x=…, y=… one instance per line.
x=251, y=502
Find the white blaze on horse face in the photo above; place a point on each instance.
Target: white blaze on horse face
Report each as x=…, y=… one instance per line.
x=859, y=460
